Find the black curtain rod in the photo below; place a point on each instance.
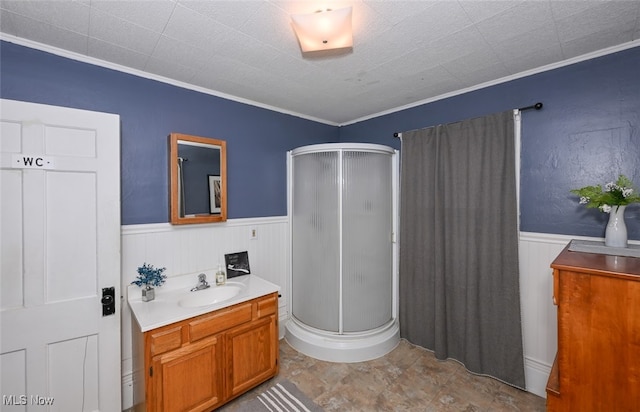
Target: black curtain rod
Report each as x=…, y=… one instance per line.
x=536, y=106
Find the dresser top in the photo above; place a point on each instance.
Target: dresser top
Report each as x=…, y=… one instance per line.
x=598, y=264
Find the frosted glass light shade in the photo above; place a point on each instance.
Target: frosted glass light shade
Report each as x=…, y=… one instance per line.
x=324, y=30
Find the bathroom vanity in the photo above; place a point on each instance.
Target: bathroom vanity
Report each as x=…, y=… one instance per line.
x=195, y=351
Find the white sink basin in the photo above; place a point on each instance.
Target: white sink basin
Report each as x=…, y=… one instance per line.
x=214, y=294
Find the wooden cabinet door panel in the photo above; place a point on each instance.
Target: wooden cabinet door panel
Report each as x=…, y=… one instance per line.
x=252, y=352
x=189, y=378
x=598, y=360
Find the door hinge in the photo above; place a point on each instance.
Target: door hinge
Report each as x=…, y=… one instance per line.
x=151, y=371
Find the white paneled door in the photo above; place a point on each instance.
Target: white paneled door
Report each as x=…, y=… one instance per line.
x=59, y=259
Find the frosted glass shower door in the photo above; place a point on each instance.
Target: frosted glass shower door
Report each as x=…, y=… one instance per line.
x=367, y=225
x=342, y=251
x=315, y=240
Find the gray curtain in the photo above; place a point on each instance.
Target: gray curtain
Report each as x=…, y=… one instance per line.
x=459, y=291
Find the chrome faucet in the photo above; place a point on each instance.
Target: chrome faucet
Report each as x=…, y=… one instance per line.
x=202, y=283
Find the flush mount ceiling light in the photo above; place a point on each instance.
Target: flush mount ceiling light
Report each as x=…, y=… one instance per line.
x=324, y=29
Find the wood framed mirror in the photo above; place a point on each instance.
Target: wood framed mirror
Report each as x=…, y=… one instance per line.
x=198, y=179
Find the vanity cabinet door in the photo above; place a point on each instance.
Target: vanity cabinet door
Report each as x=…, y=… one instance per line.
x=252, y=354
x=190, y=378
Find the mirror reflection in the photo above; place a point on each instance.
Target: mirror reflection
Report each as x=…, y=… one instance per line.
x=198, y=195
x=198, y=179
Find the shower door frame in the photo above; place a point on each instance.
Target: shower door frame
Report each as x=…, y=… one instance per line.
x=342, y=147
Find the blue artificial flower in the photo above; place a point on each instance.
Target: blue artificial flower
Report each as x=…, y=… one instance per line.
x=150, y=276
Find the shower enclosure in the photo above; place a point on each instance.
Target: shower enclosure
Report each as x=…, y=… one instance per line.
x=342, y=208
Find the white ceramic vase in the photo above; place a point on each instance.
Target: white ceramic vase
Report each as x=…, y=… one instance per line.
x=616, y=233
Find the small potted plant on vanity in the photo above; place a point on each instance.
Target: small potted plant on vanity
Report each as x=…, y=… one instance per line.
x=148, y=278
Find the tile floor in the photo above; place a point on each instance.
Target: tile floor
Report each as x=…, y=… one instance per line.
x=409, y=378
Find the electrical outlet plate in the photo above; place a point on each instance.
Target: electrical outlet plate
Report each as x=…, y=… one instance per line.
x=253, y=234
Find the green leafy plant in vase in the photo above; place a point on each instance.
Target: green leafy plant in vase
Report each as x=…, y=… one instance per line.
x=612, y=199
x=148, y=278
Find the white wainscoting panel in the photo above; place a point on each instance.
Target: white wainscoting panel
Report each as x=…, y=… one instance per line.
x=192, y=248
x=539, y=325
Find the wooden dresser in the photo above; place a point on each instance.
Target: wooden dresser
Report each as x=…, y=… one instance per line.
x=597, y=367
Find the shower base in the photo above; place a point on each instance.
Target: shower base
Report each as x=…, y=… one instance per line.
x=347, y=348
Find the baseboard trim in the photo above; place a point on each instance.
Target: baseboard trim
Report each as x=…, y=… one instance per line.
x=127, y=391
x=283, y=318
x=536, y=376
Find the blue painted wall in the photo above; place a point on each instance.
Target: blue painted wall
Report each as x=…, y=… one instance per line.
x=587, y=133
x=257, y=139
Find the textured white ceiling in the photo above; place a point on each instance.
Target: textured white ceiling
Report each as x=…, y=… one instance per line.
x=404, y=51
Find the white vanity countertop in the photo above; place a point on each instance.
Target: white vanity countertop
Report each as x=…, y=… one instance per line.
x=164, y=309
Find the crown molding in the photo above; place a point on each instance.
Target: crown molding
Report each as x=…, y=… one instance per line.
x=140, y=73
x=143, y=74
x=526, y=73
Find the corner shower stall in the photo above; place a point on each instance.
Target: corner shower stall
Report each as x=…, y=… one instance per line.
x=343, y=284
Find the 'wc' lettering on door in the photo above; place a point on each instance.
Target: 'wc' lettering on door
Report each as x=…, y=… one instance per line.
x=26, y=161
